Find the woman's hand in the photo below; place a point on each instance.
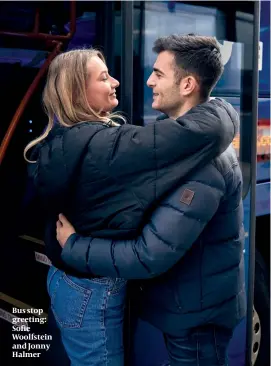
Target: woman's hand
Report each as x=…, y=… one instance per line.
x=64, y=230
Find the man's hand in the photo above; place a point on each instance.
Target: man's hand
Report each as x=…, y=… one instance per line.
x=64, y=230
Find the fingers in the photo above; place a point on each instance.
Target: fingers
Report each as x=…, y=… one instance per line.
x=65, y=222
x=63, y=219
x=58, y=229
x=58, y=225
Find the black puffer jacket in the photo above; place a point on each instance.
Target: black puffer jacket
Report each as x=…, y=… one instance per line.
x=105, y=180
x=193, y=247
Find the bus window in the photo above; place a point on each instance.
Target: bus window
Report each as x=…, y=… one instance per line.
x=181, y=19
x=264, y=50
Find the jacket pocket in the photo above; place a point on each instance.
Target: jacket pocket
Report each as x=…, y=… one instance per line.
x=187, y=289
x=69, y=301
x=187, y=299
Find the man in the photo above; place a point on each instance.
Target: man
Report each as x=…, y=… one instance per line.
x=193, y=242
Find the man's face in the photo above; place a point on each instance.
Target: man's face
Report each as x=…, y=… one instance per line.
x=166, y=93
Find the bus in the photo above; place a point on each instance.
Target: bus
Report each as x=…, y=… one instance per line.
x=31, y=35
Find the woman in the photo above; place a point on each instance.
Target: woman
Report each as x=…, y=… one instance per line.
x=105, y=178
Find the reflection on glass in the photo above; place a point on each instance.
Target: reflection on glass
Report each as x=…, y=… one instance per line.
x=179, y=19
x=184, y=19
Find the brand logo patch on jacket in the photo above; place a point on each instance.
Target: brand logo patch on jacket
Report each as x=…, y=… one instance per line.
x=187, y=196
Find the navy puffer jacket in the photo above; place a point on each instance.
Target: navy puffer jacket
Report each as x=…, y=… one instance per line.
x=192, y=244
x=106, y=180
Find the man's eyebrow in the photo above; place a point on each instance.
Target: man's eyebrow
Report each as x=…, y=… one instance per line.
x=157, y=70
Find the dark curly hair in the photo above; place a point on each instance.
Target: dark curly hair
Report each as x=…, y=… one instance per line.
x=195, y=55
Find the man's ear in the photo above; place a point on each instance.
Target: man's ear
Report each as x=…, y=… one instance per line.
x=188, y=85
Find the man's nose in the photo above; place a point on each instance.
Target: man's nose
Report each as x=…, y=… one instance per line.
x=150, y=82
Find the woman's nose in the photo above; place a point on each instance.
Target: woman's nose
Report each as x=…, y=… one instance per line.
x=115, y=83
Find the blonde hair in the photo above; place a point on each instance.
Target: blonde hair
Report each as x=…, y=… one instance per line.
x=64, y=95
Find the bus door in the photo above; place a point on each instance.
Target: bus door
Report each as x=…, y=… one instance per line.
x=236, y=27
x=24, y=32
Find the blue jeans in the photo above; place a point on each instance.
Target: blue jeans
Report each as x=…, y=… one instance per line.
x=89, y=314
x=203, y=346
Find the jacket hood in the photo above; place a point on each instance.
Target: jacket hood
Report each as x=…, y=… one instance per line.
x=221, y=121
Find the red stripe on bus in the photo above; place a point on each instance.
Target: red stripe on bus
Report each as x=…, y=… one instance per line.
x=264, y=122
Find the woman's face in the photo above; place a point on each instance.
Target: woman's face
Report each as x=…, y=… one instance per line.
x=101, y=87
